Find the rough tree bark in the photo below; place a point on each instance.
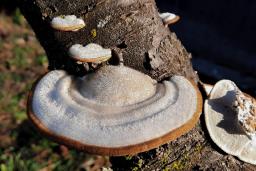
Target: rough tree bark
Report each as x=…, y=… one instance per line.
x=133, y=29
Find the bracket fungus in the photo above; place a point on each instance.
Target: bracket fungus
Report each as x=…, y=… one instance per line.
x=207, y=88
x=230, y=117
x=169, y=18
x=67, y=23
x=90, y=53
x=113, y=111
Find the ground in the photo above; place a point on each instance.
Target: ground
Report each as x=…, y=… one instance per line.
x=22, y=61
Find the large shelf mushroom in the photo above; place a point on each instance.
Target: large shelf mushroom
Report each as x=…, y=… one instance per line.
x=230, y=117
x=114, y=111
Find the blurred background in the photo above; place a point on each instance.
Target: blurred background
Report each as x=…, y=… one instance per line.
x=22, y=61
x=220, y=35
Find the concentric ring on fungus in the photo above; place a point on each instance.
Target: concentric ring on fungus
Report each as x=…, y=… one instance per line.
x=115, y=111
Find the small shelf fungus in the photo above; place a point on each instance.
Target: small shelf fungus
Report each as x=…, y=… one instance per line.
x=113, y=111
x=230, y=117
x=91, y=53
x=169, y=18
x=207, y=88
x=67, y=23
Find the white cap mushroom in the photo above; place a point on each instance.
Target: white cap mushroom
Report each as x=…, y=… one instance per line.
x=115, y=111
x=90, y=53
x=231, y=120
x=207, y=88
x=169, y=18
x=67, y=23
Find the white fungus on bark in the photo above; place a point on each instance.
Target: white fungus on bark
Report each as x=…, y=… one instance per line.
x=115, y=111
x=230, y=120
x=207, y=88
x=90, y=53
x=67, y=23
x=169, y=18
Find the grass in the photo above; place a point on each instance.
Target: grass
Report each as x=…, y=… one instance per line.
x=22, y=148
x=13, y=107
x=17, y=163
x=37, y=153
x=20, y=57
x=2, y=79
x=18, y=17
x=42, y=60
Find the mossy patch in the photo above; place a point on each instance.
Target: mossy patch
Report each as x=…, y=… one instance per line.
x=42, y=60
x=94, y=33
x=19, y=59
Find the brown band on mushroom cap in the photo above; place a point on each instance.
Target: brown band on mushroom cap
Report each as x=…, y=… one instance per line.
x=92, y=60
x=71, y=28
x=169, y=18
x=176, y=19
x=119, y=151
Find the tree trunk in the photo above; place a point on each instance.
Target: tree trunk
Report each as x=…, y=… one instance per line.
x=132, y=28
